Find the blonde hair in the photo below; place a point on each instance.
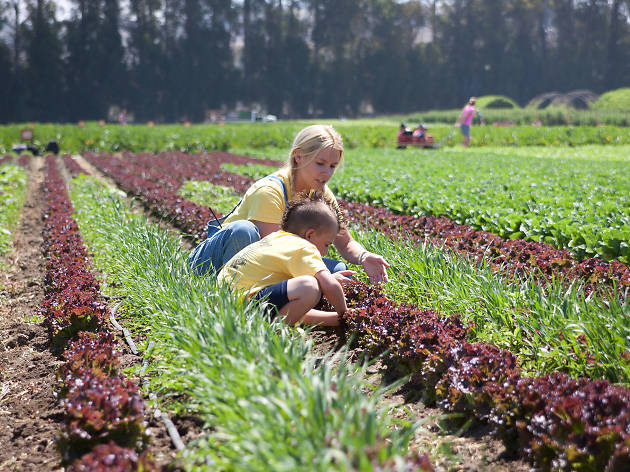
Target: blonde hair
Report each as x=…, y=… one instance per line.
x=311, y=140
x=472, y=100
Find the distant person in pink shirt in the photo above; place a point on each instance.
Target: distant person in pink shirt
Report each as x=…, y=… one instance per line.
x=465, y=120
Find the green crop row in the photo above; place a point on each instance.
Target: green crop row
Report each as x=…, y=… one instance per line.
x=266, y=399
x=12, y=194
x=578, y=204
x=232, y=137
x=552, y=116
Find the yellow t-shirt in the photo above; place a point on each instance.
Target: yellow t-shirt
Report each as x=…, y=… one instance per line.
x=277, y=257
x=264, y=200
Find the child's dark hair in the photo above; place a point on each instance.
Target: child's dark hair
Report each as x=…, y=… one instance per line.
x=310, y=211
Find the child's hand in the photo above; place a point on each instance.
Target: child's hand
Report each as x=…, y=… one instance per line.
x=342, y=276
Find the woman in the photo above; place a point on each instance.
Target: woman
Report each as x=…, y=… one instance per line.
x=316, y=153
x=465, y=119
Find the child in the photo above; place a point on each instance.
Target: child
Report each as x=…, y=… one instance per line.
x=287, y=267
x=418, y=133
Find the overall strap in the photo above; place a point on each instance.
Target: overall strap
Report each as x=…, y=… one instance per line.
x=278, y=180
x=275, y=178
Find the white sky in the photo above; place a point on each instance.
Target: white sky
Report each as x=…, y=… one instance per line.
x=63, y=9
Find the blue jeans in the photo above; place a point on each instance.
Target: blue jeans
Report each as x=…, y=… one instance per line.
x=222, y=244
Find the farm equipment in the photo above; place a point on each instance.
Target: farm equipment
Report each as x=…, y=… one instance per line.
x=417, y=138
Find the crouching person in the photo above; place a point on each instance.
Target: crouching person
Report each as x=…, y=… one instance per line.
x=286, y=268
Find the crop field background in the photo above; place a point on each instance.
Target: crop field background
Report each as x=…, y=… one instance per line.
x=506, y=310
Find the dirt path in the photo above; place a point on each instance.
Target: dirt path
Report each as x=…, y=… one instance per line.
x=30, y=418
x=29, y=415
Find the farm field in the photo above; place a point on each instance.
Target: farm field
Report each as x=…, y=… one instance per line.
x=370, y=133
x=507, y=303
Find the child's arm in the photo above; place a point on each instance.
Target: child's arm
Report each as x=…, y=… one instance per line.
x=332, y=290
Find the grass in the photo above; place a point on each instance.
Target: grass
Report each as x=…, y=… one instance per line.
x=267, y=401
x=12, y=195
x=375, y=133
x=614, y=100
x=219, y=198
x=34, y=319
x=253, y=171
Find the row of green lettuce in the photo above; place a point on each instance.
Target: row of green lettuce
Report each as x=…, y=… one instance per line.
x=12, y=194
x=265, y=399
x=230, y=137
x=579, y=204
x=550, y=329
x=551, y=116
x=576, y=202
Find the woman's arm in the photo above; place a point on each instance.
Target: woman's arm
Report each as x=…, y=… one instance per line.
x=373, y=264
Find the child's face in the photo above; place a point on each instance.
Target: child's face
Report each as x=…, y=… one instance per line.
x=321, y=238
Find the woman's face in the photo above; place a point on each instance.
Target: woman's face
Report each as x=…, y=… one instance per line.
x=314, y=174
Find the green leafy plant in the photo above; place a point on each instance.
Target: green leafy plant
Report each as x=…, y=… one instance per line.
x=12, y=195
x=219, y=198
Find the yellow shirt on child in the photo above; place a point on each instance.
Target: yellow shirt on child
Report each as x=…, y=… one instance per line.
x=277, y=257
x=264, y=200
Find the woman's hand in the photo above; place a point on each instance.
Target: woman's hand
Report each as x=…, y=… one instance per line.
x=342, y=276
x=374, y=266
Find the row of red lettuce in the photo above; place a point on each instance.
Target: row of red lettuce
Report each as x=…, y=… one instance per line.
x=103, y=427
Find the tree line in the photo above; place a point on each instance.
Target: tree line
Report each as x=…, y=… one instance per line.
x=172, y=60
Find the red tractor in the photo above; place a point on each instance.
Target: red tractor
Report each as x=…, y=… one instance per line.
x=418, y=137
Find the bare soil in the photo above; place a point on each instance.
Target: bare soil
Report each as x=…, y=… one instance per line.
x=30, y=418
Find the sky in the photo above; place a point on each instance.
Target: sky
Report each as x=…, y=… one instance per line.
x=63, y=9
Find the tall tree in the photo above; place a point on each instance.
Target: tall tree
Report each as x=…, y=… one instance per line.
x=83, y=65
x=387, y=35
x=7, y=79
x=592, y=26
x=148, y=61
x=617, y=68
x=43, y=70
x=299, y=80
x=254, y=51
x=221, y=77
x=523, y=52
x=338, y=88
x=564, y=61
x=461, y=70
x=112, y=68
